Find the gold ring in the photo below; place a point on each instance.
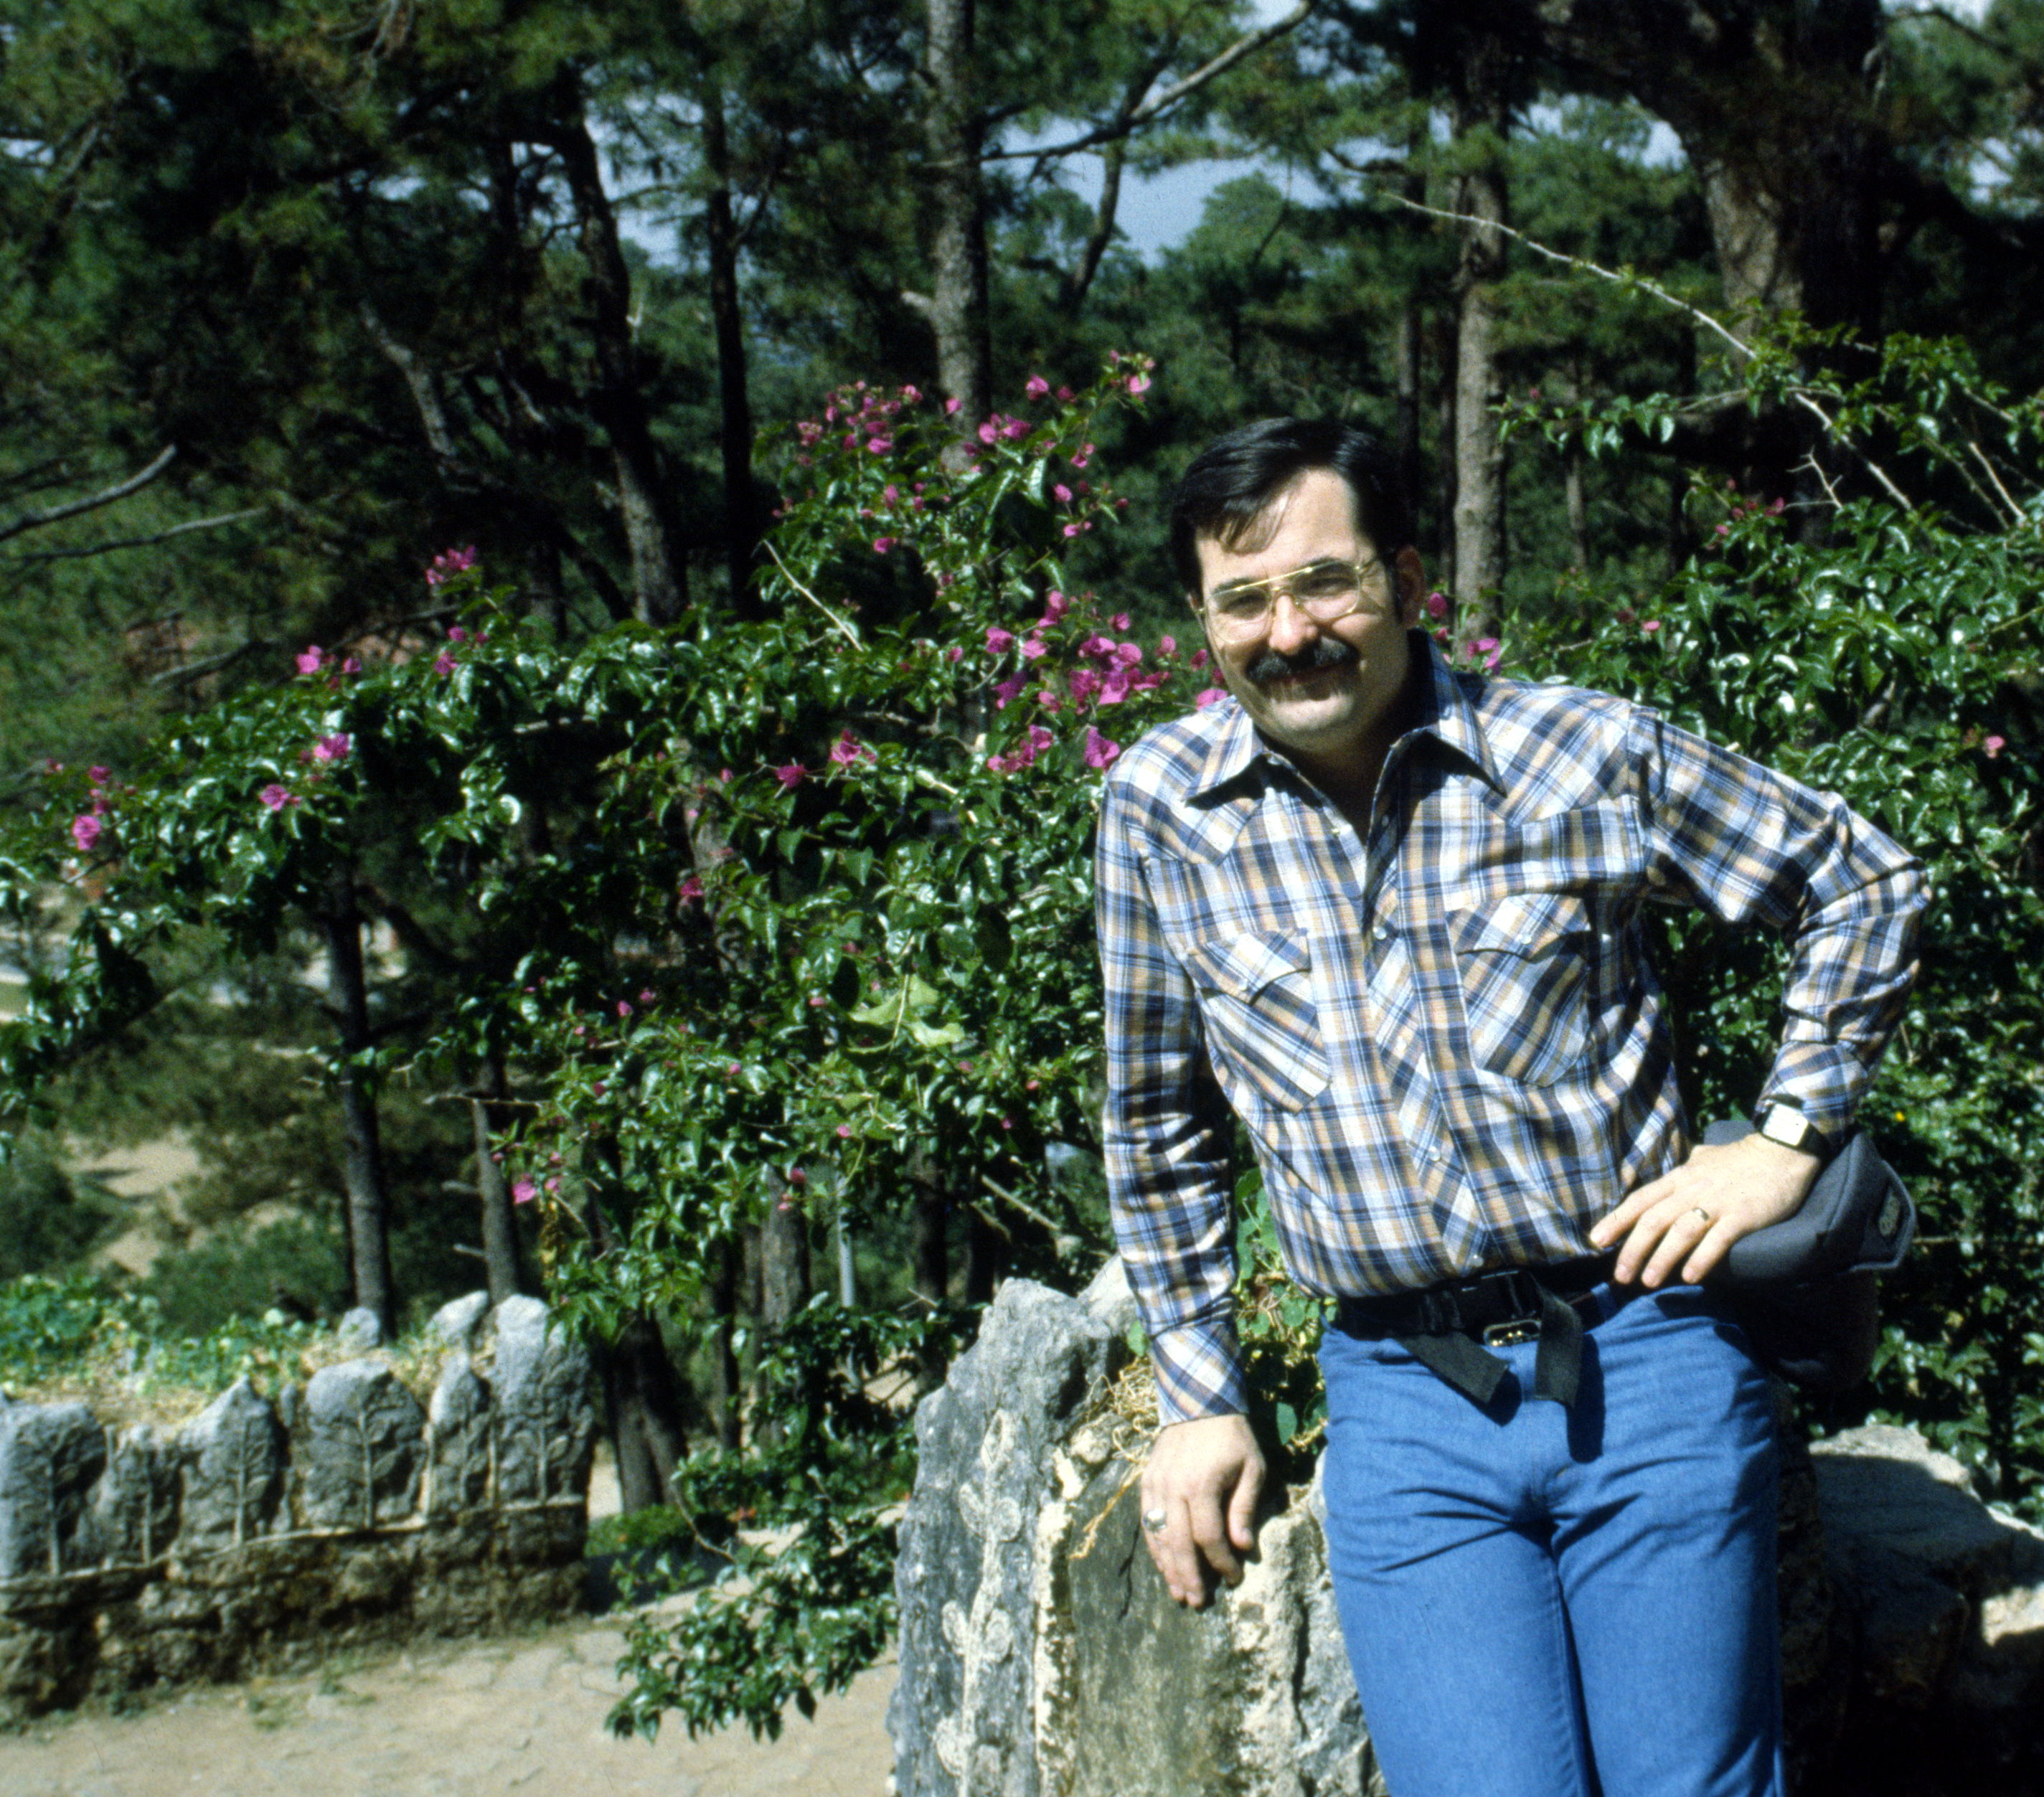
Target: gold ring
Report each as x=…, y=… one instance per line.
x=1154, y=1520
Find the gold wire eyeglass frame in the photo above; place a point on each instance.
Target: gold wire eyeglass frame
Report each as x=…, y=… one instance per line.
x=1242, y=608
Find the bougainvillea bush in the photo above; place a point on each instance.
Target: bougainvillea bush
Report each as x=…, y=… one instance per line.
x=798, y=914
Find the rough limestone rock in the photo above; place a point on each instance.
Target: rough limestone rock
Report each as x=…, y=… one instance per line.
x=133, y=1516
x=456, y=1323
x=461, y=1417
x=969, y=1567
x=546, y=1427
x=50, y=1456
x=357, y=1448
x=233, y=1455
x=1040, y=1655
x=360, y=1328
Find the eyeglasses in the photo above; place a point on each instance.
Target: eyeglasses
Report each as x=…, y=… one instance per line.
x=1325, y=591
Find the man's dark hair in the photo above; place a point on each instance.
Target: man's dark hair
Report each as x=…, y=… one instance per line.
x=1236, y=476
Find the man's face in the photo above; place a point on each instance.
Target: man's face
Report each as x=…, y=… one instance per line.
x=1323, y=690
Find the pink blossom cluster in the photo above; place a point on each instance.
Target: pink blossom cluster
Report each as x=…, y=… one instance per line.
x=450, y=562
x=90, y=824
x=1035, y=741
x=848, y=751
x=312, y=658
x=862, y=415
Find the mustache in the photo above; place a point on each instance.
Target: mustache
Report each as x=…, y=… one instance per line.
x=1322, y=652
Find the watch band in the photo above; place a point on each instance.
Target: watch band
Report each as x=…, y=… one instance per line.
x=1784, y=1124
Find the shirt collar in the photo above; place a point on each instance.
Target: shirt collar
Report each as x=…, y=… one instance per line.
x=1442, y=708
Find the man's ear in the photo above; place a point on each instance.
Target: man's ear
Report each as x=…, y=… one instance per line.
x=1410, y=573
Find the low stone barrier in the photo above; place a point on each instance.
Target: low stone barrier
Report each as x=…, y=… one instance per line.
x=1040, y=1657
x=345, y=1512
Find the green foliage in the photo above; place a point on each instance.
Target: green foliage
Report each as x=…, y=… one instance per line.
x=50, y=1220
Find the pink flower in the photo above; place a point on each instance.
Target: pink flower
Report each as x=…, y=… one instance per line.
x=1776, y=507
x=1993, y=746
x=1055, y=605
x=1128, y=654
x=882, y=545
x=1084, y=456
x=1199, y=659
x=1651, y=625
x=725, y=775
x=1721, y=530
x=353, y=665
x=98, y=776
x=950, y=407
x=953, y=654
x=443, y=663
x=1066, y=394
x=990, y=432
x=791, y=776
x=1167, y=645
x=1036, y=387
x=553, y=1185
x=1099, y=750
x=646, y=995
x=1120, y=620
x=1437, y=604
x=880, y=445
x=1212, y=696
x=1083, y=683
x=457, y=635
x=911, y=394
x=733, y=1071
x=624, y=1007
x=1062, y=493
x=1033, y=648
x=999, y=641
x=1139, y=383
x=275, y=797
x=523, y=1191
x=1101, y=648
x=311, y=658
x=1077, y=530
x=1007, y=690
x=1114, y=689
x=1013, y=428
x=844, y=1132
x=85, y=830
x=1049, y=701
x=848, y=751
x=333, y=748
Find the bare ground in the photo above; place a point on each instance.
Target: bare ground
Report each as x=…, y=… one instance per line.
x=521, y=1714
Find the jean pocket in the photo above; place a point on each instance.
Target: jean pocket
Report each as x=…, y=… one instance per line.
x=1526, y=962
x=1263, y=1027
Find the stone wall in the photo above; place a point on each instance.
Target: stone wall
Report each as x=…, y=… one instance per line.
x=1040, y=1657
x=259, y=1533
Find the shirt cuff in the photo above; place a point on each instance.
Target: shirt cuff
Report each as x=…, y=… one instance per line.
x=1825, y=1080
x=1199, y=1373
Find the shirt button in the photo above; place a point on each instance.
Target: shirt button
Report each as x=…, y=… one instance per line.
x=1383, y=932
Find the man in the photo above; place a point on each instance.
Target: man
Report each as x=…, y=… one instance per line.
x=1389, y=915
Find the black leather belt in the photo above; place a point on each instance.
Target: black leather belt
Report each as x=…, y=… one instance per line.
x=1442, y=1326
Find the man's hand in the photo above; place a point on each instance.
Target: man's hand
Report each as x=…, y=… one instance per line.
x=1688, y=1219
x=1205, y=1475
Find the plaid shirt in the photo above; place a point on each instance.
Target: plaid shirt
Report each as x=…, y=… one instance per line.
x=1445, y=1042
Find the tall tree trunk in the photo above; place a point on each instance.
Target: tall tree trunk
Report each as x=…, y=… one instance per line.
x=362, y=1148
x=1481, y=118
x=785, y=1287
x=660, y=575
x=500, y=1223
x=1407, y=354
x=957, y=134
x=727, y=1391
x=1445, y=462
x=929, y=1258
x=641, y=1392
x=741, y=526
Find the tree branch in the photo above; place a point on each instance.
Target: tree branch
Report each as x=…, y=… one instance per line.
x=134, y=542
x=1123, y=126
x=34, y=520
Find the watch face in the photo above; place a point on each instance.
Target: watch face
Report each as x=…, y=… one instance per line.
x=1785, y=1125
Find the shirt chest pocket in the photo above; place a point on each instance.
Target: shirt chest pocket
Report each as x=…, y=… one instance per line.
x=1263, y=1028
x=1525, y=962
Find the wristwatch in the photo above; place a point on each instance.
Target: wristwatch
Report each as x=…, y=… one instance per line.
x=1785, y=1123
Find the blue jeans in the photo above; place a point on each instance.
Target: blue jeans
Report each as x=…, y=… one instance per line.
x=1549, y=1603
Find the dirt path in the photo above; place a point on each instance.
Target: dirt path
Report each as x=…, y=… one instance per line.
x=524, y=1714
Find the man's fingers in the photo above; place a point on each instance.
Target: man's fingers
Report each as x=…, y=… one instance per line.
x=1242, y=1508
x=1210, y=1537
x=1680, y=1236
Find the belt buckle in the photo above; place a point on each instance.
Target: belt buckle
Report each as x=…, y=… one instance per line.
x=1510, y=1334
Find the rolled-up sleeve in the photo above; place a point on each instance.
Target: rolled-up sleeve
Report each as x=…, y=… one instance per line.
x=1750, y=846
x=1166, y=1131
